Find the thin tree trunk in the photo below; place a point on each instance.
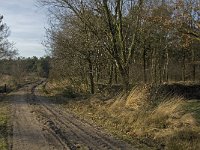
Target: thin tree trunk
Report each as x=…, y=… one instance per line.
x=166, y=66
x=144, y=66
x=194, y=72
x=111, y=75
x=193, y=66
x=160, y=73
x=91, y=76
x=155, y=73
x=153, y=67
x=97, y=73
x=183, y=66
x=115, y=74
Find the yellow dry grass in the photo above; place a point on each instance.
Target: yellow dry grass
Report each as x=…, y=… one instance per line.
x=5, y=79
x=4, y=117
x=165, y=124
x=57, y=87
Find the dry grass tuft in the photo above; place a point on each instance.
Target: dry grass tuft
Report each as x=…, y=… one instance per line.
x=137, y=98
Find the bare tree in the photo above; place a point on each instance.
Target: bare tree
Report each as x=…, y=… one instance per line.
x=6, y=48
x=107, y=39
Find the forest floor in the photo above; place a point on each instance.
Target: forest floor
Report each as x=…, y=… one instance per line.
x=40, y=124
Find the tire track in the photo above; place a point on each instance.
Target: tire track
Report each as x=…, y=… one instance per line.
x=27, y=132
x=73, y=131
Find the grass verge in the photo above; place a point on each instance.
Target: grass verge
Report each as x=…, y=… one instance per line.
x=4, y=117
x=150, y=121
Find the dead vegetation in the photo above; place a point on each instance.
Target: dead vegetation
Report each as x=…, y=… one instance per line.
x=4, y=117
x=163, y=121
x=13, y=83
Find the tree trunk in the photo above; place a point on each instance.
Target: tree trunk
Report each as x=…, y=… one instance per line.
x=193, y=66
x=144, y=66
x=111, y=75
x=155, y=74
x=125, y=77
x=166, y=66
x=153, y=67
x=160, y=73
x=115, y=74
x=97, y=73
x=194, y=72
x=183, y=66
x=91, y=76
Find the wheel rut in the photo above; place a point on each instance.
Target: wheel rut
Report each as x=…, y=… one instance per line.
x=27, y=131
x=40, y=124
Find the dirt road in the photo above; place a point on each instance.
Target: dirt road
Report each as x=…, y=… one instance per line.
x=39, y=124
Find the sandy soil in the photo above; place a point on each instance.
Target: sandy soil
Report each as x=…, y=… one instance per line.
x=39, y=124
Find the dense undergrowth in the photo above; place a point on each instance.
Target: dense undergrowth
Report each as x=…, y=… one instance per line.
x=146, y=116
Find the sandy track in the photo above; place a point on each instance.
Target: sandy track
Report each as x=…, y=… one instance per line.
x=41, y=125
x=27, y=132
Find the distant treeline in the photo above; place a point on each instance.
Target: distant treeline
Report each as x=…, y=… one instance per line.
x=23, y=66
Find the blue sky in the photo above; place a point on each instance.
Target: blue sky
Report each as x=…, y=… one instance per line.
x=27, y=25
